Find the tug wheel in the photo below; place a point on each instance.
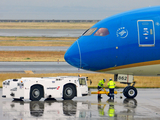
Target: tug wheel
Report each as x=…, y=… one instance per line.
x=36, y=93
x=68, y=92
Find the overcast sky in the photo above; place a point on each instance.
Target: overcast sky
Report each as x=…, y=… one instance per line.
x=68, y=9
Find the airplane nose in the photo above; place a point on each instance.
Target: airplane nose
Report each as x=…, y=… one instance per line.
x=73, y=55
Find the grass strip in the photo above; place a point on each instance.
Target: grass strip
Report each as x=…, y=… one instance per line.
x=37, y=41
x=36, y=25
x=30, y=56
x=141, y=82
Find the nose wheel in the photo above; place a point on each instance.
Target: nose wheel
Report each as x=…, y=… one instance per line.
x=130, y=92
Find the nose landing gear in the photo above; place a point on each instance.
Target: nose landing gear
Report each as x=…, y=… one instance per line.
x=130, y=91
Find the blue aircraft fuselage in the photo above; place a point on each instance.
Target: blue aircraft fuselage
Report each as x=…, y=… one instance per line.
x=126, y=43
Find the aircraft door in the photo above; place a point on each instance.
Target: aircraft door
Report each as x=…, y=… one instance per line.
x=146, y=33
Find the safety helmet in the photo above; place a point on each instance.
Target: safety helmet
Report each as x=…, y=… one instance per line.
x=104, y=80
x=110, y=78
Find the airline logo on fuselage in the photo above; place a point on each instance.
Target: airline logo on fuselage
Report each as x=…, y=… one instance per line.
x=122, y=32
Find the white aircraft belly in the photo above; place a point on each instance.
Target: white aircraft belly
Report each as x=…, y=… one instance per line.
x=149, y=70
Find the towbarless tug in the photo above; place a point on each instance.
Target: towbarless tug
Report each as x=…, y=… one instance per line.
x=66, y=87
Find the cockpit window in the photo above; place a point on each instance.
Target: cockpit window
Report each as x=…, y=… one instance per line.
x=102, y=32
x=89, y=31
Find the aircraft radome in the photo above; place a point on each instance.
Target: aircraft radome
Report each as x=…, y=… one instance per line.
x=125, y=45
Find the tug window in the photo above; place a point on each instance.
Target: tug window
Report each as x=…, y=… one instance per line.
x=89, y=31
x=102, y=32
x=82, y=81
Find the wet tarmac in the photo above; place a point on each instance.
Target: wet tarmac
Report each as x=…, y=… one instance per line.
x=39, y=67
x=33, y=48
x=42, y=32
x=146, y=106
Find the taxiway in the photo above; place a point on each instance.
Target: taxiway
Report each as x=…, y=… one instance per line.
x=146, y=106
x=39, y=67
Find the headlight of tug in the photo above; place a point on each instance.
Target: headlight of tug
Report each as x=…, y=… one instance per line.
x=6, y=83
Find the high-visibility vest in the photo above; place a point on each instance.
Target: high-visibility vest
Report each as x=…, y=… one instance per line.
x=111, y=112
x=101, y=112
x=111, y=84
x=101, y=83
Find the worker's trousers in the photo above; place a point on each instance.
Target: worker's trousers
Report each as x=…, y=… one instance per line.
x=111, y=93
x=99, y=89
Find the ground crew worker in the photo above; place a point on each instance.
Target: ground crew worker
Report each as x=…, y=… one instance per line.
x=101, y=109
x=100, y=87
x=111, y=86
x=111, y=111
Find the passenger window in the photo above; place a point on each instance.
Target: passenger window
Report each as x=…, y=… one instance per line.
x=89, y=31
x=102, y=32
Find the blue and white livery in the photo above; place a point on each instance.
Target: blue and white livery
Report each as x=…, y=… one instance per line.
x=126, y=43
